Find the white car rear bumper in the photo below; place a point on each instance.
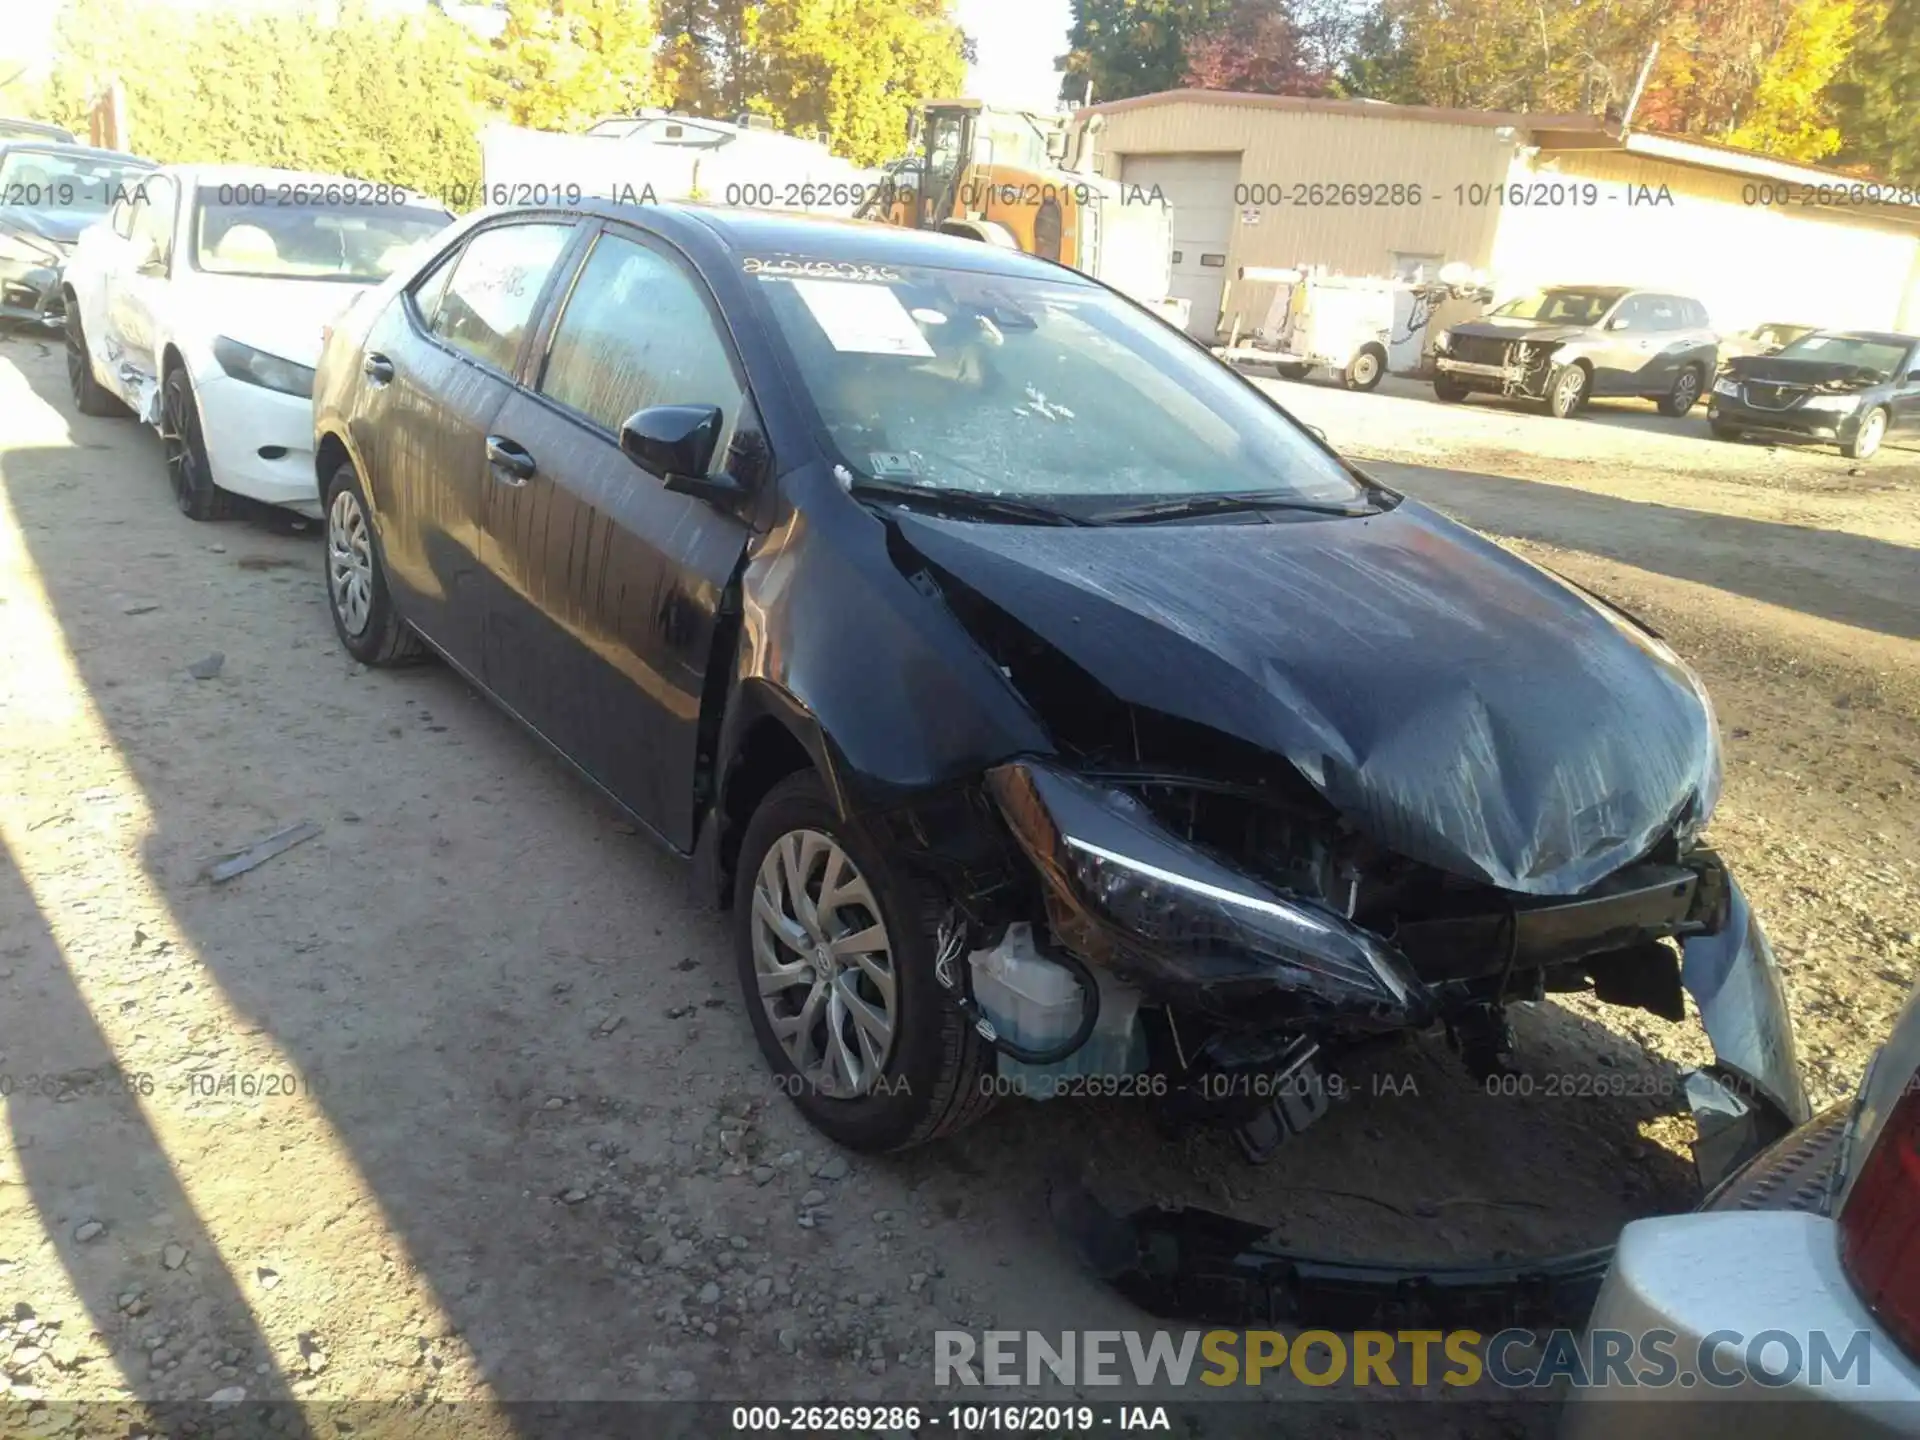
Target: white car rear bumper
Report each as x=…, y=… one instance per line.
x=1750, y=1273
x=259, y=442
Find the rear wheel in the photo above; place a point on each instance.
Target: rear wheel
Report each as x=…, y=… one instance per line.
x=188, y=470
x=1293, y=372
x=1566, y=392
x=1365, y=369
x=90, y=397
x=357, y=595
x=1449, y=390
x=835, y=953
x=1684, y=394
x=1866, y=440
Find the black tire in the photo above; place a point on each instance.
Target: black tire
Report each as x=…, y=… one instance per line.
x=1365, y=370
x=1684, y=395
x=1449, y=390
x=188, y=470
x=1567, y=391
x=936, y=1075
x=1293, y=372
x=383, y=638
x=1865, y=443
x=1723, y=431
x=90, y=397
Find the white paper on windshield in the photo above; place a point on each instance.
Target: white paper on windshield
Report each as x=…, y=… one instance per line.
x=864, y=319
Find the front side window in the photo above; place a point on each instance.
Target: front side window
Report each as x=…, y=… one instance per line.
x=153, y=216
x=1020, y=386
x=246, y=230
x=1559, y=307
x=637, y=332
x=495, y=283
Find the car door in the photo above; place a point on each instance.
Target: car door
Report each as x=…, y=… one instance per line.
x=136, y=287
x=1669, y=327
x=437, y=366
x=1628, y=344
x=1903, y=410
x=607, y=586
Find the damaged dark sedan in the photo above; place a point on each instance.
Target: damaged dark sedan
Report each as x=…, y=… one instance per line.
x=1850, y=388
x=1053, y=711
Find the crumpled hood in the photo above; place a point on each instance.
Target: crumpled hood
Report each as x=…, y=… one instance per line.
x=1520, y=330
x=1455, y=703
x=1776, y=370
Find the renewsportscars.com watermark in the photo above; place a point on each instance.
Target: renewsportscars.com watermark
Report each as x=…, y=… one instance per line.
x=1389, y=1359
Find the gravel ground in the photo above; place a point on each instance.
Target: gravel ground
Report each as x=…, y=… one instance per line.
x=497, y=1128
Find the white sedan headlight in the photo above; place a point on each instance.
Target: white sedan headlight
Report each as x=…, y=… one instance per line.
x=257, y=367
x=1835, y=404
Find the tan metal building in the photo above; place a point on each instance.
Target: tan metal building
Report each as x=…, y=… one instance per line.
x=1366, y=188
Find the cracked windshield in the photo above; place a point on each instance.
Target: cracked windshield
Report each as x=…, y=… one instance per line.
x=955, y=381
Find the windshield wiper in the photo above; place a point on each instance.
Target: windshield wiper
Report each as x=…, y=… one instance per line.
x=973, y=502
x=1222, y=503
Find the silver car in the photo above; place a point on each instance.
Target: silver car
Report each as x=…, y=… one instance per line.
x=1568, y=344
x=1798, y=1280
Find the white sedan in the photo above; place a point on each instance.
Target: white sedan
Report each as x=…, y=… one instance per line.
x=201, y=303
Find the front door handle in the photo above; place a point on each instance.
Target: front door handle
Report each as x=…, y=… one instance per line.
x=378, y=368
x=509, y=460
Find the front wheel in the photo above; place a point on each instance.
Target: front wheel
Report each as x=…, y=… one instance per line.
x=1866, y=440
x=1684, y=394
x=1293, y=371
x=1723, y=431
x=90, y=397
x=1449, y=390
x=836, y=954
x=1566, y=392
x=188, y=470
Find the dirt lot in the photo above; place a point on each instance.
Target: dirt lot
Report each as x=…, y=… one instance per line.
x=498, y=1129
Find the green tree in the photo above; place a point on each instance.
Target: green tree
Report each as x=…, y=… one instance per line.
x=1131, y=47
x=374, y=95
x=1876, y=95
x=846, y=72
x=563, y=64
x=1789, y=112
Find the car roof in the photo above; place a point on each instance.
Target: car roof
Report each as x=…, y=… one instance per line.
x=201, y=176
x=38, y=127
x=817, y=237
x=92, y=152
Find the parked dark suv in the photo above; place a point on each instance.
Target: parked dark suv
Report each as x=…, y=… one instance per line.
x=1567, y=344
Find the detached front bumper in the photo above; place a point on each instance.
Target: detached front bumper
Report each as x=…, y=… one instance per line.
x=1196, y=935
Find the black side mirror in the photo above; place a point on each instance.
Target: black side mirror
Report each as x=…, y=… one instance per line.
x=677, y=443
x=1618, y=322
x=1913, y=377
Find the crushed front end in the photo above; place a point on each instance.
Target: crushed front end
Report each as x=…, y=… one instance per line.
x=1249, y=937
x=1512, y=367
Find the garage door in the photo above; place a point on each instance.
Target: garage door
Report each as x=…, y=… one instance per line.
x=1200, y=190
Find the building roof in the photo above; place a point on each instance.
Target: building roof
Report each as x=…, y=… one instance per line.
x=1375, y=109
x=1574, y=132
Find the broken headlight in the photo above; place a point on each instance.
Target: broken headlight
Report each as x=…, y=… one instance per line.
x=1123, y=890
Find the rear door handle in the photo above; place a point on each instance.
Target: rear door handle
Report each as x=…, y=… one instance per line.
x=378, y=368
x=509, y=460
